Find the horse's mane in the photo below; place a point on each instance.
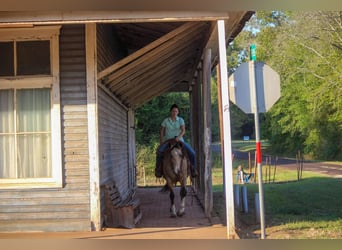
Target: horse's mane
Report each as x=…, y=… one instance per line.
x=172, y=143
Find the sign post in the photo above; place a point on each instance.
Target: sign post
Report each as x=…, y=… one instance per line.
x=255, y=108
x=254, y=88
x=252, y=52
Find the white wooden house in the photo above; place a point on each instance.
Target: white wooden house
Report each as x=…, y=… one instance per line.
x=69, y=85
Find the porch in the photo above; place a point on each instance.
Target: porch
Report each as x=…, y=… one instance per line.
x=155, y=222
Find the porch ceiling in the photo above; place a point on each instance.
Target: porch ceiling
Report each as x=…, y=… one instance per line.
x=164, y=57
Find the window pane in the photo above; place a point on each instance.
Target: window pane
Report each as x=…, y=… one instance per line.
x=6, y=59
x=34, y=156
x=33, y=110
x=7, y=157
x=34, y=135
x=33, y=58
x=6, y=111
x=7, y=145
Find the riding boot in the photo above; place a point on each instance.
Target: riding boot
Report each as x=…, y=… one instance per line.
x=193, y=171
x=158, y=171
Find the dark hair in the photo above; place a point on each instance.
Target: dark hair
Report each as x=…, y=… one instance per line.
x=174, y=106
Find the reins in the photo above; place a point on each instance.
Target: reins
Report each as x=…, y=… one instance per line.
x=169, y=149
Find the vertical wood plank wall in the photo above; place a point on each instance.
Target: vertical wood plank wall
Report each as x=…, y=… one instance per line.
x=66, y=208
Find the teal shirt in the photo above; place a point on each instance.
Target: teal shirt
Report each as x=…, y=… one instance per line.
x=172, y=128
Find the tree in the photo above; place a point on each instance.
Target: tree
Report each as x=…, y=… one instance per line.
x=306, y=51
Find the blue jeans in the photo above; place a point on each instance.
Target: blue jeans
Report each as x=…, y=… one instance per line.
x=189, y=149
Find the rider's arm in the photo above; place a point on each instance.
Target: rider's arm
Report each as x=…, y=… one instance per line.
x=181, y=134
x=161, y=134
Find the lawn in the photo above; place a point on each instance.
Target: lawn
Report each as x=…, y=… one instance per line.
x=305, y=209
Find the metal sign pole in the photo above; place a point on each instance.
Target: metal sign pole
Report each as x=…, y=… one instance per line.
x=258, y=146
x=244, y=83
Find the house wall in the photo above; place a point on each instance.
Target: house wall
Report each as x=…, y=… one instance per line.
x=66, y=208
x=113, y=117
x=113, y=142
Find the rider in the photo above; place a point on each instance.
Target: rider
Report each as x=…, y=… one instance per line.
x=173, y=127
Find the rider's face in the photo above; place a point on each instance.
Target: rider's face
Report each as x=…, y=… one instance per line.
x=174, y=112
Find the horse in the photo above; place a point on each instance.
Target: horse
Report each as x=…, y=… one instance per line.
x=175, y=169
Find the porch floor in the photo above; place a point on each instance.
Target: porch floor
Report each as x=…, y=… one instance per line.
x=155, y=223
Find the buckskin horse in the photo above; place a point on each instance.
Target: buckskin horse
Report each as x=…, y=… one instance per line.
x=175, y=169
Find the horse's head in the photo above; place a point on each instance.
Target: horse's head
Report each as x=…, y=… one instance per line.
x=176, y=154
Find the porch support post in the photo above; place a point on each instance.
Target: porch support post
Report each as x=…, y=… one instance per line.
x=226, y=136
x=195, y=132
x=208, y=194
x=93, y=144
x=131, y=150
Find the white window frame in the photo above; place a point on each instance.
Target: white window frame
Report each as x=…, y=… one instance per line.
x=51, y=81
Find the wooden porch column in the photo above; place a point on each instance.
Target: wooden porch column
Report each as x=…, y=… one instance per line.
x=195, y=132
x=208, y=194
x=225, y=123
x=93, y=143
x=131, y=150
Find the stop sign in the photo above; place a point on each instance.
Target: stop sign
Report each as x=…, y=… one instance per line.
x=241, y=87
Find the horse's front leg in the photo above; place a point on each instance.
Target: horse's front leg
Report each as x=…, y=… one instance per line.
x=172, y=200
x=183, y=192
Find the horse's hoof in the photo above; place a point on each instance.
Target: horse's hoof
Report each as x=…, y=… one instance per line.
x=173, y=216
x=180, y=214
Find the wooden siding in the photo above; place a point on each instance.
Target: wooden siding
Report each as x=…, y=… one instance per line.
x=74, y=122
x=113, y=143
x=113, y=117
x=67, y=208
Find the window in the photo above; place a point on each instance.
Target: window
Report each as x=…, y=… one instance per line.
x=25, y=134
x=33, y=57
x=30, y=108
x=6, y=59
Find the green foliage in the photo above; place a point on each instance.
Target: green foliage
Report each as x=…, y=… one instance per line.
x=148, y=118
x=146, y=158
x=305, y=48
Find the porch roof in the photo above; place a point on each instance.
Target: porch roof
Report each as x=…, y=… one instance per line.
x=165, y=57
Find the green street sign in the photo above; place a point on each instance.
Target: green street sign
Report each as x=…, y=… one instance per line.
x=253, y=52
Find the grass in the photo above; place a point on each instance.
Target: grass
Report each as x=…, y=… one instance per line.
x=305, y=209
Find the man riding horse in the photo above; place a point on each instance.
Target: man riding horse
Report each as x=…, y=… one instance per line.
x=173, y=127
